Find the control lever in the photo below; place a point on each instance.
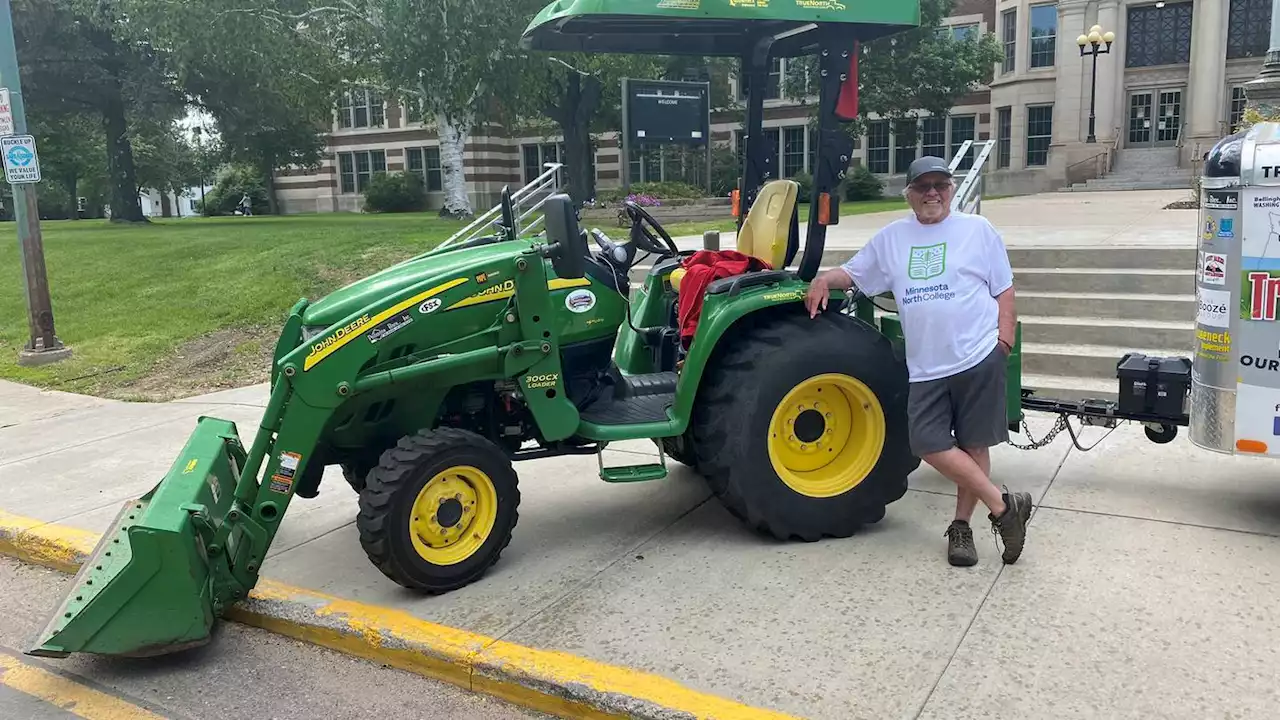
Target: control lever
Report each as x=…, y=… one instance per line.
x=617, y=254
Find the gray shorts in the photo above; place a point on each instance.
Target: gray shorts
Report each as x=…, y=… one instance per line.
x=970, y=403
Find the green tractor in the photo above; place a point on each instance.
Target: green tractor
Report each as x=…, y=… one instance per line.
x=426, y=381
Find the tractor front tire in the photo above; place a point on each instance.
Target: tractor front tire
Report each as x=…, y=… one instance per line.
x=800, y=426
x=439, y=509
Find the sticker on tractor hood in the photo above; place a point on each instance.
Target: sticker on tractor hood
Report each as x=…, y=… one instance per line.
x=390, y=327
x=580, y=301
x=429, y=306
x=347, y=333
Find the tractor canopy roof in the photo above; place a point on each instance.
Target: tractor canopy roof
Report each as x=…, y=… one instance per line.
x=709, y=27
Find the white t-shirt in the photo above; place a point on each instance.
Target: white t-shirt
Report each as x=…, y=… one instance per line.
x=945, y=278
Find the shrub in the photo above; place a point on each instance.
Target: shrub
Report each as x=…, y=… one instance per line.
x=805, y=181
x=395, y=192
x=861, y=184
x=669, y=190
x=232, y=182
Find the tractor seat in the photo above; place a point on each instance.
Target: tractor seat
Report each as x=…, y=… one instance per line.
x=765, y=233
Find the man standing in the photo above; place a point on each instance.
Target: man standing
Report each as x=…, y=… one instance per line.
x=950, y=275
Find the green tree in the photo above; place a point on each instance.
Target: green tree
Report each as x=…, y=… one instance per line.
x=923, y=69
x=73, y=64
x=72, y=152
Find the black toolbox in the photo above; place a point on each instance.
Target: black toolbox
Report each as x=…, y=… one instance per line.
x=1154, y=385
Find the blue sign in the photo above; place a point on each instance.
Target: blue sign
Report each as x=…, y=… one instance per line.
x=21, y=164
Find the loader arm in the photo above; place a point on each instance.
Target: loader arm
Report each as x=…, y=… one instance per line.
x=178, y=556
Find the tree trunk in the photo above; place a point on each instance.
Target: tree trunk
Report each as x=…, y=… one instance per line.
x=577, y=107
x=72, y=184
x=126, y=206
x=166, y=207
x=453, y=141
x=269, y=176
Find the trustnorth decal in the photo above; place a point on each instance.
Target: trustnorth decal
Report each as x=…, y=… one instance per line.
x=390, y=327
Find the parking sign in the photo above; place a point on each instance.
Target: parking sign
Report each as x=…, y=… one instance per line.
x=21, y=165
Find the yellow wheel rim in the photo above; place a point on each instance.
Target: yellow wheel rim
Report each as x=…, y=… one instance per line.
x=826, y=435
x=453, y=515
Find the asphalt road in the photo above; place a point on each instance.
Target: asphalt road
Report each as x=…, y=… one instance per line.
x=244, y=672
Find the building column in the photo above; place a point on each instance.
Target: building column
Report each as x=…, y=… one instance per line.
x=1204, y=103
x=1110, y=72
x=1071, y=93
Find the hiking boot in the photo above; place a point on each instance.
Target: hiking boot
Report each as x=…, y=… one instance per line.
x=1012, y=525
x=961, y=551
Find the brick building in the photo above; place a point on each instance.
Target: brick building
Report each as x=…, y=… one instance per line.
x=1171, y=86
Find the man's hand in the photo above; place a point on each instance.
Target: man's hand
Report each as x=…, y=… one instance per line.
x=821, y=287
x=816, y=299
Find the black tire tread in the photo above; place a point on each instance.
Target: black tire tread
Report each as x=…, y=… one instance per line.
x=715, y=430
x=396, y=469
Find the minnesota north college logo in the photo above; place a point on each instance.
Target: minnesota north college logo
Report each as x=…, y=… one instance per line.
x=928, y=261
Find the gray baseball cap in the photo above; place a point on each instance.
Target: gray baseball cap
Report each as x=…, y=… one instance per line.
x=925, y=165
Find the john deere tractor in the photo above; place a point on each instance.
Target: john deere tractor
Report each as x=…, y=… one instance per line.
x=427, y=381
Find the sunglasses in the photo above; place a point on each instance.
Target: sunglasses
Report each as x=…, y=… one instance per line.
x=941, y=186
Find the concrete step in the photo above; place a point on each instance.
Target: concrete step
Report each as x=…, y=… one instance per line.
x=1108, y=331
x=1062, y=387
x=1087, y=361
x=1174, y=308
x=1122, y=185
x=1107, y=280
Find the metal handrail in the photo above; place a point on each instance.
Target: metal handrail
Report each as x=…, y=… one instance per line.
x=1181, y=142
x=548, y=180
x=968, y=197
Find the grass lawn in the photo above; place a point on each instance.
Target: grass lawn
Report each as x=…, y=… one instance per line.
x=184, y=306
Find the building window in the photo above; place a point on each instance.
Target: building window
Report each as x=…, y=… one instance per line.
x=933, y=136
x=356, y=168
x=960, y=33
x=1044, y=35
x=426, y=163
x=1159, y=35
x=904, y=144
x=878, y=146
x=361, y=108
x=1039, y=134
x=1248, y=28
x=1009, y=20
x=793, y=152
x=1238, y=102
x=962, y=129
x=1004, y=137
x=537, y=156
x=773, y=87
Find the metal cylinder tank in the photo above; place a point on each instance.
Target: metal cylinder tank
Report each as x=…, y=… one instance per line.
x=1235, y=384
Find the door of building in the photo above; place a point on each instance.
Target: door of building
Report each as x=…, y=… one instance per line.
x=1155, y=117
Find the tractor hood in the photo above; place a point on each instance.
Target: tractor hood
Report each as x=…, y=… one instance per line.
x=375, y=289
x=705, y=27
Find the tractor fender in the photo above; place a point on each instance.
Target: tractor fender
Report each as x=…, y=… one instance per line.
x=723, y=315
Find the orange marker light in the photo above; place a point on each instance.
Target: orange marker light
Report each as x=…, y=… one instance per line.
x=824, y=209
x=1251, y=446
x=736, y=200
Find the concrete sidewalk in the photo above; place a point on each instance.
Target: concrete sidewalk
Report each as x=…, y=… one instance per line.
x=1111, y=219
x=1147, y=589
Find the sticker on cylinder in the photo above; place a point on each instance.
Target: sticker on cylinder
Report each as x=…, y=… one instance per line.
x=580, y=301
x=1257, y=420
x=1213, y=308
x=1213, y=268
x=1222, y=200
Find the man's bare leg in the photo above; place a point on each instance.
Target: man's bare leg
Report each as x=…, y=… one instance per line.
x=960, y=468
x=966, y=501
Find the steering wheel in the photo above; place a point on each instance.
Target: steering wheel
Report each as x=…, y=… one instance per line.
x=643, y=237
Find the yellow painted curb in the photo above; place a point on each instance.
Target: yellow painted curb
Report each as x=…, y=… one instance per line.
x=551, y=682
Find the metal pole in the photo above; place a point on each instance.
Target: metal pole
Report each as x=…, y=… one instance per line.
x=1093, y=97
x=43, y=346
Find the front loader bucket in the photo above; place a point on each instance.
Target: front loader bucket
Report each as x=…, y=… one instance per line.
x=150, y=587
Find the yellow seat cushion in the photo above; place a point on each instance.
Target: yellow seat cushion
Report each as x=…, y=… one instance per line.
x=764, y=234
x=676, y=276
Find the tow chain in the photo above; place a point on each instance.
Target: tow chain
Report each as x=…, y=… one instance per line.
x=1037, y=444
x=1063, y=423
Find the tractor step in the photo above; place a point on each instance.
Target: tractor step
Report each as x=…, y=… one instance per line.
x=629, y=410
x=633, y=473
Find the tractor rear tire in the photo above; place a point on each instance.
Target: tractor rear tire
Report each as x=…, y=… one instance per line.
x=680, y=449
x=439, y=509
x=765, y=387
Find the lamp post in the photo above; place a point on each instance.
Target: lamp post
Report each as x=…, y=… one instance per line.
x=1263, y=92
x=1093, y=42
